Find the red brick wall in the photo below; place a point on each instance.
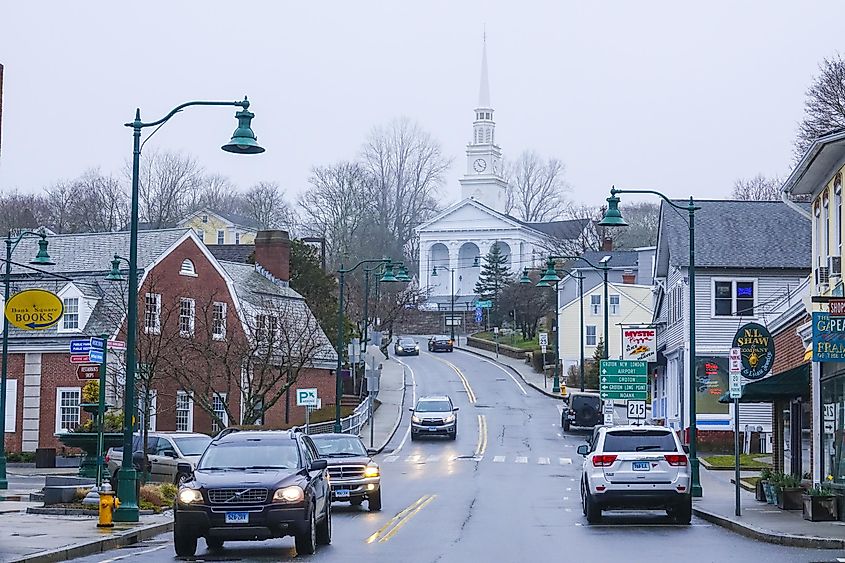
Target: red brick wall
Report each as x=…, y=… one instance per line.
x=789, y=348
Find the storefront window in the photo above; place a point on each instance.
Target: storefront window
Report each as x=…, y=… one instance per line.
x=833, y=429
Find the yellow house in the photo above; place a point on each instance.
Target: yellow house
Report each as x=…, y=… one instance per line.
x=216, y=227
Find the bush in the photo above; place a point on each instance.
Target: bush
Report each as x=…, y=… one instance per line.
x=168, y=492
x=81, y=493
x=20, y=457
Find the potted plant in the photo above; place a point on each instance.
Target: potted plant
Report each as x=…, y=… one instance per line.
x=759, y=489
x=819, y=504
x=789, y=493
x=770, y=487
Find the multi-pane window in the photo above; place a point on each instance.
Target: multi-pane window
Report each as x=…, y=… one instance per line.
x=71, y=314
x=595, y=304
x=205, y=218
x=152, y=312
x=221, y=237
x=237, y=238
x=218, y=328
x=184, y=412
x=676, y=304
x=67, y=408
x=733, y=297
x=614, y=304
x=265, y=328
x=186, y=316
x=218, y=402
x=837, y=235
x=825, y=225
x=591, y=335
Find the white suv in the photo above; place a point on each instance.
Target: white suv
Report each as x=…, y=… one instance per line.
x=642, y=467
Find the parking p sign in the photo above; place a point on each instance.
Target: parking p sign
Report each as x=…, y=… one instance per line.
x=306, y=397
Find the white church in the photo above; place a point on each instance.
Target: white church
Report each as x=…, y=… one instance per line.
x=458, y=238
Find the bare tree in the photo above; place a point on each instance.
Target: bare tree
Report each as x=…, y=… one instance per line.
x=535, y=188
x=21, y=211
x=824, y=107
x=265, y=202
x=587, y=237
x=643, y=219
x=757, y=188
x=60, y=199
x=169, y=184
x=217, y=192
x=100, y=204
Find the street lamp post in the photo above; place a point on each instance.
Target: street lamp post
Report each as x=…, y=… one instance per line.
x=613, y=218
x=41, y=259
x=243, y=141
x=451, y=298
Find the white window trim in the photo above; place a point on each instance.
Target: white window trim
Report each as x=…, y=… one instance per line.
x=191, y=272
x=153, y=407
x=223, y=397
x=591, y=305
x=58, y=407
x=190, y=409
x=837, y=217
x=219, y=232
x=214, y=334
x=61, y=325
x=86, y=305
x=595, y=334
x=10, y=424
x=157, y=328
x=191, y=318
x=733, y=315
x=618, y=304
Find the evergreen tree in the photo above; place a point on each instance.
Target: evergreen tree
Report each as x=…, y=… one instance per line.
x=495, y=276
x=591, y=374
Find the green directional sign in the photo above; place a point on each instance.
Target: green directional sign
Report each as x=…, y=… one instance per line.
x=623, y=379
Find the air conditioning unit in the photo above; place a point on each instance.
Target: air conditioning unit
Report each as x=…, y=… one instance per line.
x=834, y=264
x=822, y=276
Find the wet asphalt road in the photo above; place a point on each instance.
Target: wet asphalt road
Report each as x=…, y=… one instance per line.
x=505, y=491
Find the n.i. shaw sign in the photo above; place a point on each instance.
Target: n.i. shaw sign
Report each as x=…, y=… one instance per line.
x=639, y=344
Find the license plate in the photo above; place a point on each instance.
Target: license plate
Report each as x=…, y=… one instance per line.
x=237, y=517
x=432, y=429
x=343, y=493
x=640, y=466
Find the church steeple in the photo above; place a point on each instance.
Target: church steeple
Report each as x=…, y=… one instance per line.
x=484, y=128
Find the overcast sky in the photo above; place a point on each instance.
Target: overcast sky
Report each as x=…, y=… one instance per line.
x=677, y=96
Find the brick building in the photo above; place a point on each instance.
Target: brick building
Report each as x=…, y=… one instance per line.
x=213, y=336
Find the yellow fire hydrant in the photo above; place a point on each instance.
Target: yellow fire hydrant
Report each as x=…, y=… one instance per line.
x=108, y=504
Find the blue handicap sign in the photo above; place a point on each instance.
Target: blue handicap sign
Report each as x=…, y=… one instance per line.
x=79, y=346
x=95, y=356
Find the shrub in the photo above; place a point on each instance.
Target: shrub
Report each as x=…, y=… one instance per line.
x=152, y=495
x=168, y=492
x=81, y=493
x=20, y=457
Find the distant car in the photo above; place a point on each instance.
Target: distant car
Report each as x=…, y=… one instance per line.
x=440, y=343
x=406, y=346
x=434, y=415
x=583, y=410
x=354, y=475
x=255, y=485
x=165, y=452
x=635, y=467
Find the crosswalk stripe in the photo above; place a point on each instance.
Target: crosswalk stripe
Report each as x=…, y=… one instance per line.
x=521, y=460
x=412, y=459
x=432, y=458
x=391, y=458
x=543, y=461
x=566, y=461
x=499, y=459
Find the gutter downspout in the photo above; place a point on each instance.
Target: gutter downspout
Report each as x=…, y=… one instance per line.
x=784, y=196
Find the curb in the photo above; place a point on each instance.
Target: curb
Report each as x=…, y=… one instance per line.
x=130, y=537
x=401, y=408
x=790, y=540
x=516, y=371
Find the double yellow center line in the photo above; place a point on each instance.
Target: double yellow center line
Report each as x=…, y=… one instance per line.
x=395, y=524
x=482, y=436
x=470, y=393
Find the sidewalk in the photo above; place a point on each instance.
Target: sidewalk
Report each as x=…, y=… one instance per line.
x=390, y=400
x=525, y=371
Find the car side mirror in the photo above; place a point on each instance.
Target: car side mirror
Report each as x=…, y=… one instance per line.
x=372, y=451
x=456, y=409
x=318, y=465
x=583, y=449
x=169, y=453
x=411, y=409
x=686, y=448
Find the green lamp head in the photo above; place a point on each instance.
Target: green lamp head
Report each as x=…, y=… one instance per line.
x=243, y=140
x=612, y=215
x=475, y=262
x=524, y=279
x=549, y=276
x=42, y=258
x=434, y=272
x=542, y=283
x=403, y=274
x=388, y=275
x=115, y=274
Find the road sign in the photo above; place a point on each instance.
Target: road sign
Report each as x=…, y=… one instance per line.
x=34, y=309
x=96, y=356
x=736, y=354
x=607, y=411
x=117, y=345
x=495, y=330
x=543, y=338
x=79, y=359
x=735, y=383
x=542, y=348
x=636, y=410
x=623, y=379
x=306, y=397
x=98, y=343
x=80, y=346
x=87, y=372
x=479, y=315
x=488, y=304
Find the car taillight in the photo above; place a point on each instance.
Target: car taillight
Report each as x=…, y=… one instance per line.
x=603, y=460
x=107, y=458
x=676, y=459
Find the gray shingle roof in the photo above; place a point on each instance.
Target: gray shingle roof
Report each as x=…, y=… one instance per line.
x=738, y=234
x=232, y=252
x=619, y=259
x=238, y=219
x=564, y=230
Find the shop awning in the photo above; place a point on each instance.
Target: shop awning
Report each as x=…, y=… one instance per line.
x=781, y=387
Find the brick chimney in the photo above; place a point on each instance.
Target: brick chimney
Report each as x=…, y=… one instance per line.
x=628, y=276
x=607, y=244
x=272, y=252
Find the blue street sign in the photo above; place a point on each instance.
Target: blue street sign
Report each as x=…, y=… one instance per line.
x=79, y=346
x=95, y=356
x=479, y=316
x=97, y=343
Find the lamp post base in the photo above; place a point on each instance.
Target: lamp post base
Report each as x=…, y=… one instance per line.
x=4, y=484
x=695, y=486
x=556, y=385
x=126, y=494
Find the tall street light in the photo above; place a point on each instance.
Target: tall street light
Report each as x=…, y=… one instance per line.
x=41, y=259
x=388, y=276
x=475, y=264
x=613, y=218
x=243, y=141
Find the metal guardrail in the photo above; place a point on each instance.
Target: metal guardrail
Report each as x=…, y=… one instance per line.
x=348, y=425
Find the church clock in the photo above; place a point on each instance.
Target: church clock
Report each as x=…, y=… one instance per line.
x=480, y=165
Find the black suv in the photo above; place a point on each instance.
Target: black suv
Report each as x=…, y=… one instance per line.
x=584, y=410
x=255, y=485
x=440, y=343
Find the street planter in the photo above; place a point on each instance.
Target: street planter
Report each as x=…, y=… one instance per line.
x=819, y=508
x=760, y=490
x=87, y=442
x=789, y=498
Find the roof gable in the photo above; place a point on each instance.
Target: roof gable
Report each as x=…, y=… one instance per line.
x=234, y=219
x=469, y=214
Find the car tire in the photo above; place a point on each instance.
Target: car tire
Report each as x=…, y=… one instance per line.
x=566, y=425
x=185, y=544
x=214, y=544
x=453, y=436
x=682, y=512
x=591, y=511
x=413, y=437
x=306, y=542
x=324, y=528
x=374, y=501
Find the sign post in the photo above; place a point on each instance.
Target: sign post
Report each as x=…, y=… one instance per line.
x=736, y=393
x=623, y=379
x=307, y=398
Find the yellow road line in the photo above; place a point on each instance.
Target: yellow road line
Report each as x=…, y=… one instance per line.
x=470, y=394
x=396, y=518
x=404, y=521
x=482, y=436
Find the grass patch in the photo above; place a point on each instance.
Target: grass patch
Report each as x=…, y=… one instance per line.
x=746, y=461
x=515, y=340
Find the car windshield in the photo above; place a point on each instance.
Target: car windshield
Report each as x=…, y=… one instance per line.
x=252, y=454
x=434, y=406
x=639, y=441
x=339, y=446
x=441, y=338
x=407, y=342
x=192, y=445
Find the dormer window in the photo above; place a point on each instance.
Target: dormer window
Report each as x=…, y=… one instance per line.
x=187, y=268
x=205, y=218
x=70, y=318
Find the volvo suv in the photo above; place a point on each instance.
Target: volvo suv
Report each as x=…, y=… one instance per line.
x=255, y=485
x=354, y=475
x=440, y=343
x=635, y=467
x=434, y=415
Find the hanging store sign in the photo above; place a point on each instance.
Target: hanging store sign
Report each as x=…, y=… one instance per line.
x=757, y=350
x=828, y=338
x=34, y=309
x=639, y=344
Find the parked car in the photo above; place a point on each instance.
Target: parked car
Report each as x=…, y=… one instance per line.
x=406, y=346
x=583, y=410
x=434, y=415
x=440, y=343
x=165, y=451
x=255, y=485
x=635, y=467
x=354, y=475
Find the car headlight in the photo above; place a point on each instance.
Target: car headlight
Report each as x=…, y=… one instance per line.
x=449, y=419
x=293, y=493
x=190, y=496
x=371, y=471
x=399, y=348
x=416, y=419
